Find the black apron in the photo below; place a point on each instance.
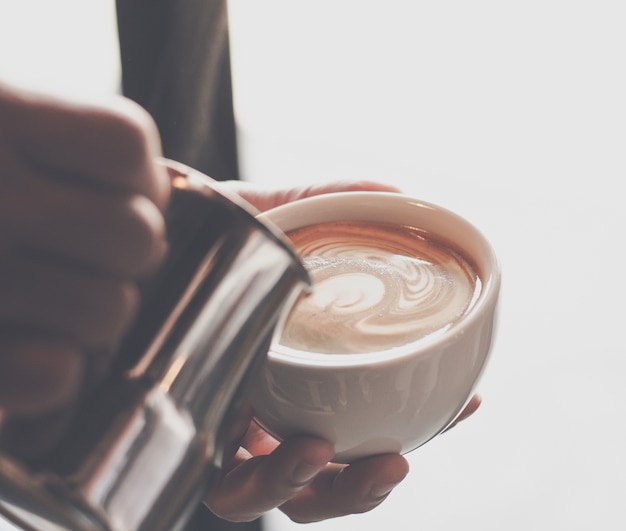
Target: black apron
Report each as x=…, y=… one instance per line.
x=176, y=64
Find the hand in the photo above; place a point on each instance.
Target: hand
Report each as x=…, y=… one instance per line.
x=296, y=475
x=80, y=221
x=264, y=199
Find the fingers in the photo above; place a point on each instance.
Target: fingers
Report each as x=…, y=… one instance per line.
x=261, y=483
x=296, y=477
x=40, y=379
x=263, y=199
x=89, y=309
x=470, y=408
x=341, y=490
x=112, y=147
x=468, y=411
x=80, y=192
x=81, y=195
x=38, y=376
x=119, y=234
x=29, y=437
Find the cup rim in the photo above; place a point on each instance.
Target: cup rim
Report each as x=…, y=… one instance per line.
x=484, y=303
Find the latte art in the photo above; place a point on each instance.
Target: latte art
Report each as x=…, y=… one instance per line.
x=376, y=287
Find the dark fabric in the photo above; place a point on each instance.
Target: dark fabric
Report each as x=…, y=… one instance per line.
x=176, y=63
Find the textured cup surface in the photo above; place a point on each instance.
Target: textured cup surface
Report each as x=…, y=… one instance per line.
x=387, y=349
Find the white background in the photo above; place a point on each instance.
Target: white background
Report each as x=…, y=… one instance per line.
x=513, y=114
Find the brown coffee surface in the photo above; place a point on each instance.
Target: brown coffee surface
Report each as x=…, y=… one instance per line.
x=376, y=286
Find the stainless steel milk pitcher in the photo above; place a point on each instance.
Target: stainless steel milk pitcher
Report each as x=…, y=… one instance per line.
x=143, y=448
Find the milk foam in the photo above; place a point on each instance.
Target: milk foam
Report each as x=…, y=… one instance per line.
x=376, y=287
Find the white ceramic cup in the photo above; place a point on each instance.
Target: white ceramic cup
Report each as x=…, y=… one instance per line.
x=392, y=400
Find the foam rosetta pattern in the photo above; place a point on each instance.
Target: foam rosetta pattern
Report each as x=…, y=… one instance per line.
x=376, y=287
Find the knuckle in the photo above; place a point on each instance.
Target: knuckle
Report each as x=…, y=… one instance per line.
x=116, y=307
x=39, y=374
x=94, y=312
x=98, y=318
x=89, y=308
x=135, y=130
x=143, y=230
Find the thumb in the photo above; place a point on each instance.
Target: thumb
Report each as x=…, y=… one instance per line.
x=264, y=199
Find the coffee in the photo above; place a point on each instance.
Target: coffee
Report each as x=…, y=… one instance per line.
x=376, y=287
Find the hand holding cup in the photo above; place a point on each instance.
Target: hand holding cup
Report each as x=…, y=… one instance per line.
x=387, y=350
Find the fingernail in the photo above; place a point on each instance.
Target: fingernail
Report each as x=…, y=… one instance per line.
x=304, y=473
x=378, y=491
